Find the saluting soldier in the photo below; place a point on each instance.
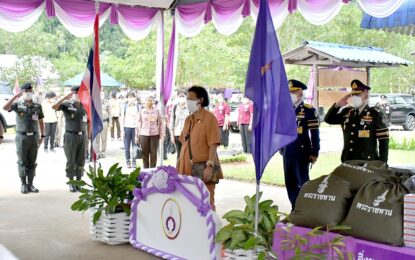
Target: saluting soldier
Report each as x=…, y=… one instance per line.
x=75, y=135
x=298, y=155
x=29, y=121
x=363, y=127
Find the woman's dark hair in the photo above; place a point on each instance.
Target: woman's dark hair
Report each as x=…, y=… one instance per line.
x=200, y=93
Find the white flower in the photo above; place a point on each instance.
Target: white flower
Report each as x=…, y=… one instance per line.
x=159, y=179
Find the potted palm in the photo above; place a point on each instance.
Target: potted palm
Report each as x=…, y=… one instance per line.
x=107, y=197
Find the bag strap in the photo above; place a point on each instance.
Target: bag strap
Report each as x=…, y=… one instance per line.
x=189, y=144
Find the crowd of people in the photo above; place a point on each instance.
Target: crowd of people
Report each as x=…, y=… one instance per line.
x=193, y=125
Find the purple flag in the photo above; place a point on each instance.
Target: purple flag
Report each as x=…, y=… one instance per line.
x=274, y=123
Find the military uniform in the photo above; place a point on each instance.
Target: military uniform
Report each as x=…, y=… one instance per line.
x=28, y=115
x=296, y=156
x=362, y=129
x=384, y=107
x=74, y=138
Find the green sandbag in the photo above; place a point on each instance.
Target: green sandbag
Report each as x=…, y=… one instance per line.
x=377, y=212
x=322, y=202
x=358, y=172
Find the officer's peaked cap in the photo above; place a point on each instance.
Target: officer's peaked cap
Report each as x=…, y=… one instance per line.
x=295, y=85
x=358, y=87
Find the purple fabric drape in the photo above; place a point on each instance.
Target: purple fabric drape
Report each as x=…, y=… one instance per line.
x=16, y=9
x=83, y=11
x=50, y=8
x=170, y=70
x=114, y=14
x=137, y=17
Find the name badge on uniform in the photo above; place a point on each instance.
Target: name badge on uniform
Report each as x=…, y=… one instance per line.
x=84, y=119
x=35, y=117
x=299, y=130
x=364, y=134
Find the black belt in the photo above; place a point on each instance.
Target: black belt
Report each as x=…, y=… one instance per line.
x=75, y=133
x=106, y=120
x=26, y=133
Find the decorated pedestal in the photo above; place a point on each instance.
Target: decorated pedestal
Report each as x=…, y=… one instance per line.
x=172, y=218
x=112, y=229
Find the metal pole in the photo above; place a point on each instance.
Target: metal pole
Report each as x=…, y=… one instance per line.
x=257, y=208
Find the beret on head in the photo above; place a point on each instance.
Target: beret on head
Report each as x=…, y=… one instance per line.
x=75, y=89
x=358, y=87
x=295, y=85
x=27, y=86
x=50, y=94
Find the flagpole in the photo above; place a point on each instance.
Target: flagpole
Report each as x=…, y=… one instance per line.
x=94, y=156
x=257, y=208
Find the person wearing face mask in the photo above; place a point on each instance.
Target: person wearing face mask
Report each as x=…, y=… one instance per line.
x=129, y=123
x=177, y=118
x=363, y=128
x=245, y=116
x=75, y=137
x=102, y=137
x=150, y=131
x=298, y=155
x=200, y=139
x=30, y=131
x=222, y=112
x=50, y=120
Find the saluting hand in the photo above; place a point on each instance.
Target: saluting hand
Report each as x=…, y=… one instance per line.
x=67, y=97
x=19, y=94
x=343, y=101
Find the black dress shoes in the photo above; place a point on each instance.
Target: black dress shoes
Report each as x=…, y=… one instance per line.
x=32, y=188
x=72, y=188
x=24, y=189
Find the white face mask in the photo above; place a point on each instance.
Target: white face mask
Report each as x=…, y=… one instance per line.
x=220, y=99
x=75, y=98
x=294, y=98
x=356, y=101
x=131, y=100
x=245, y=101
x=28, y=96
x=192, y=105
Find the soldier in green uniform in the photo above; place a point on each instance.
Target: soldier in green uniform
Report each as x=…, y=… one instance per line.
x=75, y=135
x=363, y=127
x=29, y=121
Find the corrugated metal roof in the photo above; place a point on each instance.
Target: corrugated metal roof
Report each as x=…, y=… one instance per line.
x=357, y=54
x=334, y=54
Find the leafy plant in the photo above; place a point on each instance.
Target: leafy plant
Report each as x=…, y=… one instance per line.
x=239, y=233
x=110, y=193
x=332, y=249
x=404, y=144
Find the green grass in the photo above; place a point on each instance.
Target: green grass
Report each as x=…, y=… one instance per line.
x=274, y=172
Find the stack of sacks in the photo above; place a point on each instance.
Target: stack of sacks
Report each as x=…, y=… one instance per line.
x=376, y=212
x=321, y=202
x=409, y=220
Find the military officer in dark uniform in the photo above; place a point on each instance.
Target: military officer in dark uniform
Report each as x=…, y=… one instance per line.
x=29, y=122
x=384, y=106
x=298, y=155
x=363, y=127
x=75, y=135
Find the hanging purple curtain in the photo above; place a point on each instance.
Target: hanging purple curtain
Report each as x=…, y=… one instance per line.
x=171, y=64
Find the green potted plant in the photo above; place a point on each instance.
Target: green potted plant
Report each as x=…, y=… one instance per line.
x=111, y=194
x=238, y=236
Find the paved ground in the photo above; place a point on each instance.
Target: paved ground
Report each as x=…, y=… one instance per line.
x=42, y=226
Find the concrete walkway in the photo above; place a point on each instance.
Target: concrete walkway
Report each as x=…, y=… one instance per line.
x=42, y=226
